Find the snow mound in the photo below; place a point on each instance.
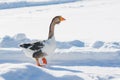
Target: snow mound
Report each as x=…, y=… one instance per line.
x=20, y=36
x=13, y=42
x=23, y=72
x=77, y=43
x=7, y=4
x=7, y=42
x=28, y=71
x=66, y=45
x=105, y=45
x=97, y=44
x=115, y=45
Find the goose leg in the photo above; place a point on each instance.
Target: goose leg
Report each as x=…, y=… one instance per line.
x=44, y=60
x=37, y=62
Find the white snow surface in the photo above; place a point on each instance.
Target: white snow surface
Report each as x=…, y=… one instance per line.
x=97, y=61
x=64, y=64
x=94, y=19
x=16, y=40
x=29, y=71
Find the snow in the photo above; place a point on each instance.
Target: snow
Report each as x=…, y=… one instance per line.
x=97, y=44
x=16, y=40
x=65, y=45
x=13, y=42
x=112, y=45
x=75, y=63
x=28, y=71
x=85, y=14
x=8, y=4
x=74, y=58
x=20, y=36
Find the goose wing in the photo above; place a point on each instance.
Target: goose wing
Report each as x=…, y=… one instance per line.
x=37, y=45
x=33, y=46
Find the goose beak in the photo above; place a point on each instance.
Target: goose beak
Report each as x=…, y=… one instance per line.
x=62, y=19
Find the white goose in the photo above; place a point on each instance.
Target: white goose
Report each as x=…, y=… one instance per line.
x=40, y=49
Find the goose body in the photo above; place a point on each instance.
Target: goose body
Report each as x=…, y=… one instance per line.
x=40, y=49
x=44, y=47
x=50, y=46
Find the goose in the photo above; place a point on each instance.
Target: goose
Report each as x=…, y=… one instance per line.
x=40, y=49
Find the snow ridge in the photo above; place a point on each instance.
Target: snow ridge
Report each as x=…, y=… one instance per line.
x=15, y=41
x=29, y=71
x=21, y=3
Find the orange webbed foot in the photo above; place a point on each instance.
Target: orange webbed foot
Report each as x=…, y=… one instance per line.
x=44, y=60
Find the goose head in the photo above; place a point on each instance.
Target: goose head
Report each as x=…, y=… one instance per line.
x=58, y=19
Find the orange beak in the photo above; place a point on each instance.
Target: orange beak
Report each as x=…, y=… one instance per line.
x=62, y=19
